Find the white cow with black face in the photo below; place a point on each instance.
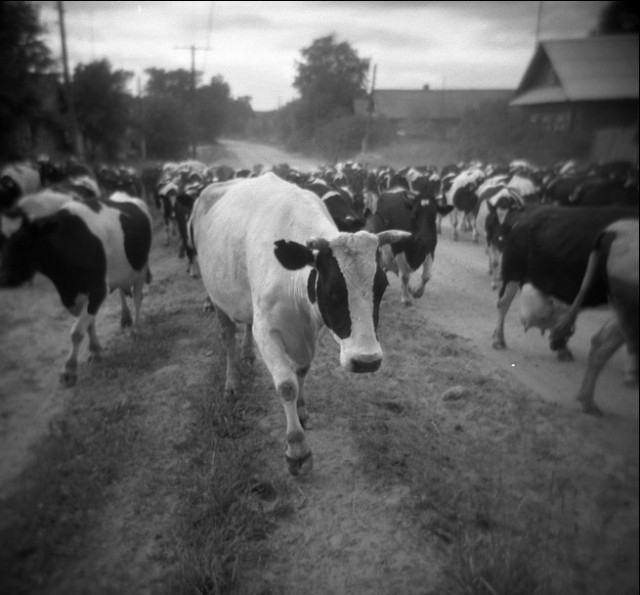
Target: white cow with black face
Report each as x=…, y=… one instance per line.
x=272, y=258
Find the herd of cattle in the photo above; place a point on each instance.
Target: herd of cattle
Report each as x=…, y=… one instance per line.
x=287, y=252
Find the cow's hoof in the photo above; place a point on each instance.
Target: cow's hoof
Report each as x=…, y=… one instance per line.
x=95, y=357
x=499, y=344
x=304, y=417
x=126, y=322
x=68, y=378
x=301, y=466
x=588, y=406
x=564, y=355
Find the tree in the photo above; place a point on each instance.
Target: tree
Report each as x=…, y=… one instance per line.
x=329, y=78
x=619, y=17
x=176, y=83
x=165, y=125
x=23, y=56
x=212, y=109
x=102, y=107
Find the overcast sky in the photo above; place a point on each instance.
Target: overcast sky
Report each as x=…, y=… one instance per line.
x=254, y=46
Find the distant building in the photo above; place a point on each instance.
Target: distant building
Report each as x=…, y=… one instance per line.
x=428, y=113
x=587, y=85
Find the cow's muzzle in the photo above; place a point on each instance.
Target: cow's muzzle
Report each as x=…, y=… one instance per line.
x=359, y=366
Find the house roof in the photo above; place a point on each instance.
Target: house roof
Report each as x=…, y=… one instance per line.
x=427, y=104
x=588, y=69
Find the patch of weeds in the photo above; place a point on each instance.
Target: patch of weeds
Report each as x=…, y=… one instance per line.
x=228, y=505
x=46, y=520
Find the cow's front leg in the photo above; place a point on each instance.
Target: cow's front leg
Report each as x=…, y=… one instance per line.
x=228, y=330
x=138, y=295
x=427, y=266
x=454, y=224
x=247, y=344
x=95, y=349
x=303, y=414
x=125, y=314
x=274, y=349
x=405, y=298
x=69, y=375
x=494, y=267
x=504, y=303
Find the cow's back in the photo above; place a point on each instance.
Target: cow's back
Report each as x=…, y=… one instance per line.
x=549, y=247
x=235, y=226
x=123, y=226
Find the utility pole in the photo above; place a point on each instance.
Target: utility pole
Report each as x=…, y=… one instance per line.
x=370, y=110
x=72, y=121
x=193, y=49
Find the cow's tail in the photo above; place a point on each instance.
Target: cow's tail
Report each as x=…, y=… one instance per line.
x=566, y=324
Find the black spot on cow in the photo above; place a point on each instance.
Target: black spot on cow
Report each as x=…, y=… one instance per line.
x=333, y=296
x=137, y=232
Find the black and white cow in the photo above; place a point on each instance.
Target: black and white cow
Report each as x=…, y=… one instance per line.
x=546, y=254
x=339, y=205
x=497, y=200
x=87, y=249
x=190, y=191
x=614, y=265
x=272, y=258
x=400, y=208
x=16, y=180
x=463, y=196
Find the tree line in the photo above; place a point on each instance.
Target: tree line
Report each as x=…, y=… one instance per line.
x=175, y=109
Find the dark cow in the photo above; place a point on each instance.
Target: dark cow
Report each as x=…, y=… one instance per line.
x=272, y=258
x=16, y=180
x=400, y=208
x=339, y=205
x=613, y=265
x=183, y=209
x=546, y=254
x=598, y=191
x=496, y=203
x=87, y=249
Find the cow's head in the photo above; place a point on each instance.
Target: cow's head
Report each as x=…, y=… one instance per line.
x=17, y=263
x=9, y=192
x=346, y=284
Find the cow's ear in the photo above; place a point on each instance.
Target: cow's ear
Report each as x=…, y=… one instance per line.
x=185, y=200
x=292, y=255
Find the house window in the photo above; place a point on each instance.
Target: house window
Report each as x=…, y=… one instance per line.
x=561, y=122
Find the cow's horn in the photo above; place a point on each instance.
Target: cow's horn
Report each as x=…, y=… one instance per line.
x=317, y=243
x=391, y=236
